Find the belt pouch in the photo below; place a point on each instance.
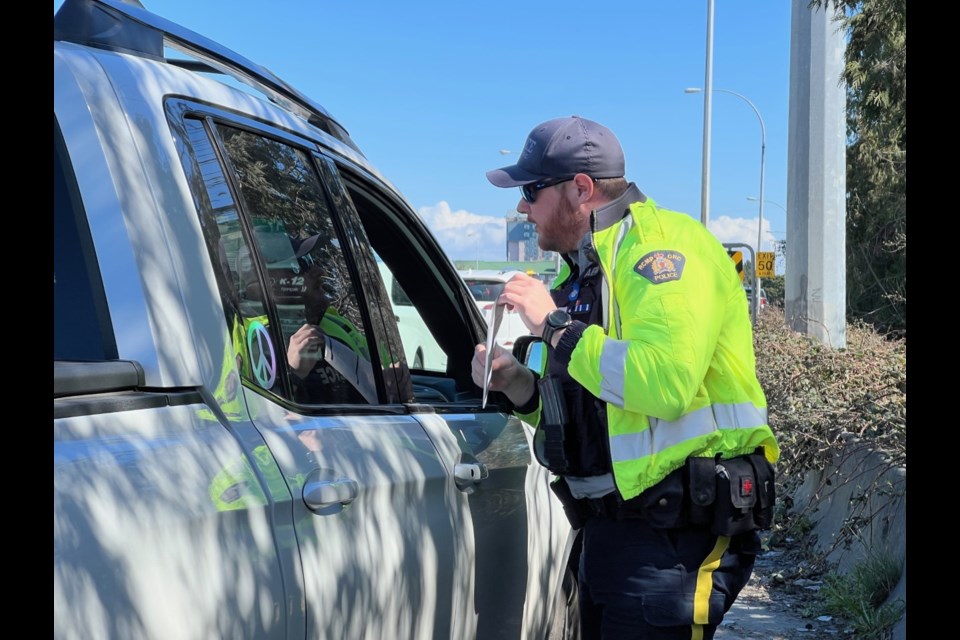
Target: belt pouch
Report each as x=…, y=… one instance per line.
x=577, y=511
x=736, y=497
x=662, y=504
x=701, y=489
x=766, y=489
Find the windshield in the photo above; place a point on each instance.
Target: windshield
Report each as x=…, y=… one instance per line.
x=484, y=290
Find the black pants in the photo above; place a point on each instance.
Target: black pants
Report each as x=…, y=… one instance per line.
x=637, y=582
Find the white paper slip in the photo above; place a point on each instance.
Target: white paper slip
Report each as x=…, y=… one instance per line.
x=492, y=328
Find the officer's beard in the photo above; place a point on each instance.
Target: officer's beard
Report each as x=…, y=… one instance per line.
x=565, y=229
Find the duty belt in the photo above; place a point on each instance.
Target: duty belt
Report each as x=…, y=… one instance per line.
x=612, y=506
x=661, y=505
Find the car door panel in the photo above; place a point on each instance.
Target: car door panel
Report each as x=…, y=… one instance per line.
x=517, y=537
x=203, y=544
x=382, y=532
x=390, y=560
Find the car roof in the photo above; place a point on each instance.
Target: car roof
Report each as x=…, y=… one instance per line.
x=131, y=29
x=165, y=58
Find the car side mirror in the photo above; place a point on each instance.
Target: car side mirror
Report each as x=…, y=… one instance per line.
x=529, y=350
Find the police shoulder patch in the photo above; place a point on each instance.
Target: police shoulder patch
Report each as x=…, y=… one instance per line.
x=661, y=266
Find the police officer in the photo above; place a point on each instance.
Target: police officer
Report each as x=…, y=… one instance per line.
x=663, y=458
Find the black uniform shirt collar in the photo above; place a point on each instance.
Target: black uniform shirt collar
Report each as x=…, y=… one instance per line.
x=606, y=216
x=614, y=211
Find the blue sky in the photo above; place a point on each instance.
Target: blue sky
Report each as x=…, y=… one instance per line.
x=432, y=91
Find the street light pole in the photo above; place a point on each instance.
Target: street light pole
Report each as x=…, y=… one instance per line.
x=773, y=202
x=707, y=111
x=763, y=155
x=755, y=199
x=474, y=234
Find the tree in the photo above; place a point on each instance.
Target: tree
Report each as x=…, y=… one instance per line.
x=876, y=79
x=775, y=289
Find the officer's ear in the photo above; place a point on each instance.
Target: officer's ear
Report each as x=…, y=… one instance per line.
x=585, y=188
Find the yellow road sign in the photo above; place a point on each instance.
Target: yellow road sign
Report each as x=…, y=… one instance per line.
x=765, y=261
x=737, y=257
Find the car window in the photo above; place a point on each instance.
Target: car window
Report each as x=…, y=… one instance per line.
x=288, y=294
x=398, y=297
x=426, y=296
x=420, y=348
x=81, y=321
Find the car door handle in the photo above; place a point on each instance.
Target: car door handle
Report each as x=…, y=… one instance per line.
x=327, y=497
x=470, y=471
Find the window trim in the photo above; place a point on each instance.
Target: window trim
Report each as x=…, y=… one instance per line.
x=178, y=110
x=91, y=265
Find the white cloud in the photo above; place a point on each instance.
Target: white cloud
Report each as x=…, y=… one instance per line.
x=741, y=231
x=465, y=235
x=468, y=236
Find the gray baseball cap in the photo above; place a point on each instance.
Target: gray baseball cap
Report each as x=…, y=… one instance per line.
x=564, y=147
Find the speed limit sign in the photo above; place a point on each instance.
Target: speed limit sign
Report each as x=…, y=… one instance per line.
x=765, y=264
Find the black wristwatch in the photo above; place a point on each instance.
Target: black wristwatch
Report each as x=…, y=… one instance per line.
x=556, y=320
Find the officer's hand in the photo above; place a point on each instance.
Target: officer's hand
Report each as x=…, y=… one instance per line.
x=530, y=298
x=507, y=373
x=310, y=439
x=305, y=349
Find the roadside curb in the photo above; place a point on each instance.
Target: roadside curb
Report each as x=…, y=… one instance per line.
x=857, y=507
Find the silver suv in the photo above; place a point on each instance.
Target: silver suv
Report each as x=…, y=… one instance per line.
x=213, y=476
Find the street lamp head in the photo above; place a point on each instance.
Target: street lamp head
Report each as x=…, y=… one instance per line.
x=692, y=90
x=756, y=199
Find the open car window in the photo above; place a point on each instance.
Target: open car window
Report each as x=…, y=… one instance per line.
x=437, y=329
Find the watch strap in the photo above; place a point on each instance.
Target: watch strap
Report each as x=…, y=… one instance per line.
x=549, y=329
x=568, y=342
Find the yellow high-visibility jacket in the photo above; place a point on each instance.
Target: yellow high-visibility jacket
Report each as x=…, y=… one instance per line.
x=674, y=359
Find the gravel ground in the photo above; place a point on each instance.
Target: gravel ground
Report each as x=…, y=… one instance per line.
x=776, y=608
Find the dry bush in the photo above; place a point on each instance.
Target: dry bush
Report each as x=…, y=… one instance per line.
x=823, y=405
x=817, y=396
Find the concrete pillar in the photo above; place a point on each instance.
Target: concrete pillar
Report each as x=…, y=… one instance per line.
x=816, y=178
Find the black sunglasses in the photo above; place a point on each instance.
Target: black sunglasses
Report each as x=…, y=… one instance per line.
x=529, y=191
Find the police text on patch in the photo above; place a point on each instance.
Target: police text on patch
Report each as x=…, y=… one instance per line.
x=661, y=266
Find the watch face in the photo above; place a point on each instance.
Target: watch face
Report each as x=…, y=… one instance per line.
x=558, y=318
